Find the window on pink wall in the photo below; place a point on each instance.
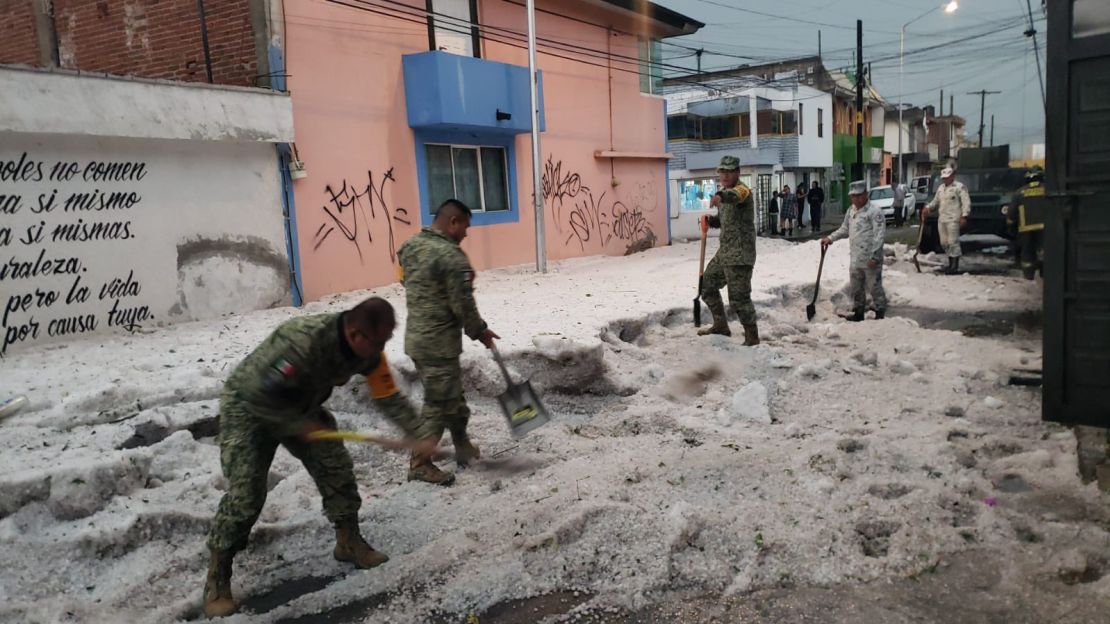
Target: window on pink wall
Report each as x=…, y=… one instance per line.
x=453, y=27
x=475, y=175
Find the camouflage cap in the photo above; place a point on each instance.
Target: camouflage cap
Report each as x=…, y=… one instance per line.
x=729, y=163
x=859, y=187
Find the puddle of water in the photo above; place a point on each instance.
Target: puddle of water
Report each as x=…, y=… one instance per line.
x=534, y=609
x=353, y=612
x=975, y=324
x=285, y=592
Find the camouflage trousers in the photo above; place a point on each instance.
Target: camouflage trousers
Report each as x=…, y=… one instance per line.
x=864, y=280
x=247, y=449
x=738, y=278
x=444, y=404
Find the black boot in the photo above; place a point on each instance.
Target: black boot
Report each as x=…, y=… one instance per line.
x=956, y=265
x=880, y=314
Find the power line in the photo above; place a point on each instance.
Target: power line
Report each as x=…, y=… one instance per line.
x=789, y=19
x=495, y=37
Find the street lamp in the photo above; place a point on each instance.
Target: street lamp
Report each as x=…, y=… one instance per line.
x=948, y=8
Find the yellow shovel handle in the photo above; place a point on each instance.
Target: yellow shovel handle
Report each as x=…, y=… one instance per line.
x=354, y=436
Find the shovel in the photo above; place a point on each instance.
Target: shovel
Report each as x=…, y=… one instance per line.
x=522, y=407
x=811, y=309
x=355, y=436
x=920, y=232
x=701, y=276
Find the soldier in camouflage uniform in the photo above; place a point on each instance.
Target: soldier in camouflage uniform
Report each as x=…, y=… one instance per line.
x=439, y=289
x=275, y=398
x=865, y=228
x=735, y=258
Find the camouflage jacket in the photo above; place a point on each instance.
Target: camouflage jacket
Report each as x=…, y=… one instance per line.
x=287, y=378
x=954, y=202
x=439, y=289
x=736, y=218
x=865, y=229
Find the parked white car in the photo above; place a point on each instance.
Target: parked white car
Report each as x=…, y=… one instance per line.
x=883, y=198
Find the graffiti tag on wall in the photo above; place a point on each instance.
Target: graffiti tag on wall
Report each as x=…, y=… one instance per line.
x=56, y=218
x=350, y=210
x=581, y=216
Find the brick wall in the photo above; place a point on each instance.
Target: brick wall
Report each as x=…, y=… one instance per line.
x=146, y=38
x=18, y=41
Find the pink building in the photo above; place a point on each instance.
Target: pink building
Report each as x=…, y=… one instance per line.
x=397, y=106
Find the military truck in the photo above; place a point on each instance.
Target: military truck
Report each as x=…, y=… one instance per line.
x=991, y=182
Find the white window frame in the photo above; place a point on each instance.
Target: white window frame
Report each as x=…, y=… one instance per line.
x=481, y=178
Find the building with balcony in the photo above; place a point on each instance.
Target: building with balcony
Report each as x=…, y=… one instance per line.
x=781, y=135
x=928, y=140
x=810, y=72
x=273, y=152
x=400, y=106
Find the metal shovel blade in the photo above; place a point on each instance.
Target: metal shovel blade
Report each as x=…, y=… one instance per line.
x=523, y=409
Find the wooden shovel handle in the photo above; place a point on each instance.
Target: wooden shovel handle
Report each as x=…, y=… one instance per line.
x=701, y=259
x=354, y=436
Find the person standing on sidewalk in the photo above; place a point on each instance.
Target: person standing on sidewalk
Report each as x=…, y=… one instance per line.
x=816, y=197
x=953, y=205
x=899, y=204
x=788, y=211
x=735, y=258
x=773, y=213
x=800, y=197
x=865, y=228
x=439, y=290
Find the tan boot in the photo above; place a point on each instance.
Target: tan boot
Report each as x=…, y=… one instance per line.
x=351, y=547
x=217, y=589
x=465, y=450
x=422, y=469
x=720, y=323
x=751, y=335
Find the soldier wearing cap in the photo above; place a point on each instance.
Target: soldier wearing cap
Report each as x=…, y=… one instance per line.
x=735, y=259
x=954, y=205
x=865, y=228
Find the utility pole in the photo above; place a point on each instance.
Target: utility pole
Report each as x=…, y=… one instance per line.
x=983, y=93
x=857, y=170
x=537, y=183
x=698, y=53
x=992, y=129
x=941, y=103
x=1032, y=34
x=818, y=44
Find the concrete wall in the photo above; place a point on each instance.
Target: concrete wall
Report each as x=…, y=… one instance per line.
x=815, y=151
x=361, y=198
x=33, y=101
x=122, y=234
x=105, y=229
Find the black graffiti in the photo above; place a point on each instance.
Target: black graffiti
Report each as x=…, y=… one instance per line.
x=345, y=206
x=629, y=223
x=558, y=187
x=587, y=218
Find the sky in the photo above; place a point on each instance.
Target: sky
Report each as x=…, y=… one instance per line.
x=979, y=46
